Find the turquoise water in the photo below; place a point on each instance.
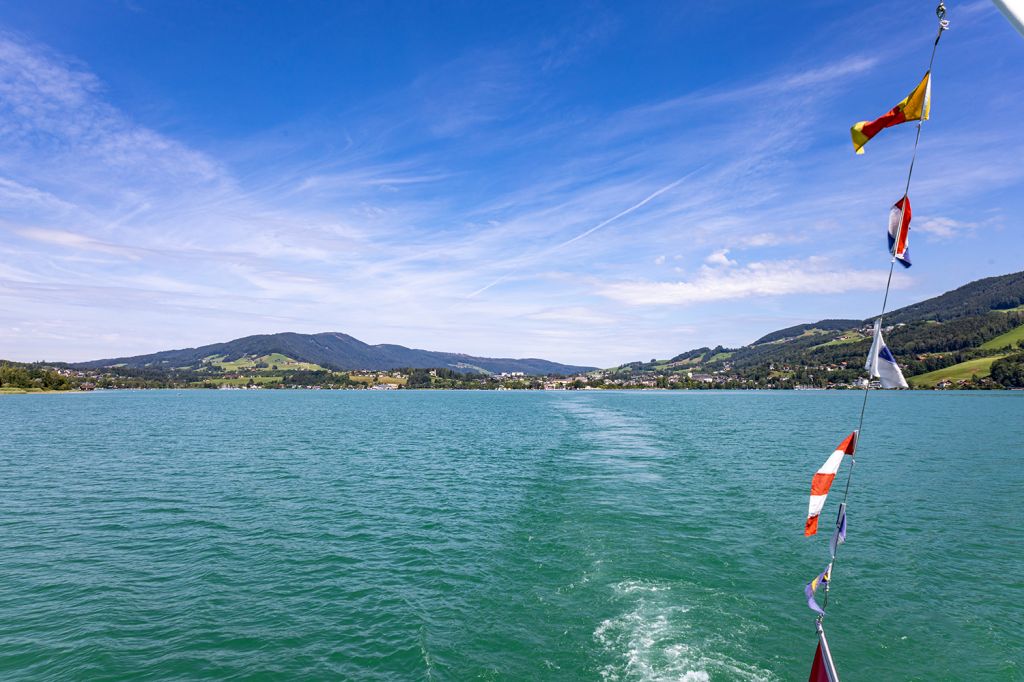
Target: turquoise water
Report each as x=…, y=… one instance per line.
x=503, y=536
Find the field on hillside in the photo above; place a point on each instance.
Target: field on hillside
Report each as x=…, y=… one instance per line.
x=250, y=362
x=381, y=379
x=851, y=337
x=1010, y=338
x=954, y=373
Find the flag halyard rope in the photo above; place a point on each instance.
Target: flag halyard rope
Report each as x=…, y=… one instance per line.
x=940, y=12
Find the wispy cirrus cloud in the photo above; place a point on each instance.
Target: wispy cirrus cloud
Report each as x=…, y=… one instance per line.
x=76, y=242
x=940, y=227
x=758, y=279
x=476, y=207
x=42, y=92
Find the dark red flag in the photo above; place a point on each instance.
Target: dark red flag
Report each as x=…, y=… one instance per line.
x=818, y=672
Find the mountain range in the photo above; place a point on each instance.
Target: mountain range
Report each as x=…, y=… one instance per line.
x=332, y=350
x=960, y=333
x=957, y=336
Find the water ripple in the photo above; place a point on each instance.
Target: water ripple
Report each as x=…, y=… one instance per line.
x=505, y=536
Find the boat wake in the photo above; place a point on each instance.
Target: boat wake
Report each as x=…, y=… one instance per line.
x=652, y=640
x=623, y=445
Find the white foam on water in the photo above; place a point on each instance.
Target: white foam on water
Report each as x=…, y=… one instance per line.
x=646, y=643
x=631, y=586
x=653, y=641
x=428, y=661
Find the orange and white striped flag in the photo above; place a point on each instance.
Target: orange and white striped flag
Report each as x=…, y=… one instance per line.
x=822, y=481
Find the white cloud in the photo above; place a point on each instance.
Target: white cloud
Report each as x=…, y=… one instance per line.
x=720, y=257
x=53, y=115
x=573, y=315
x=379, y=221
x=589, y=231
x=76, y=242
x=798, y=82
x=766, y=239
x=942, y=228
x=768, y=278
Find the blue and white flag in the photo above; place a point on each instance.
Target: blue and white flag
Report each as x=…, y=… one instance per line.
x=839, y=537
x=881, y=364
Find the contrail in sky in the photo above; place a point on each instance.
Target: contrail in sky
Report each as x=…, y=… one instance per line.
x=586, y=233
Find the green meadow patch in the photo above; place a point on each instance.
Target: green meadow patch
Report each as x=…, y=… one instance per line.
x=963, y=371
x=270, y=361
x=1010, y=338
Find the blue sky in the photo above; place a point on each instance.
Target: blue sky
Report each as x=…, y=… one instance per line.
x=590, y=183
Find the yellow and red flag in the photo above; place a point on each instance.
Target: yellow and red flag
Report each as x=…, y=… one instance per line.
x=914, y=107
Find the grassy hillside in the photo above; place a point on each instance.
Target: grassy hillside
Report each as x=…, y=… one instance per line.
x=801, y=329
x=1011, y=338
x=962, y=371
x=271, y=360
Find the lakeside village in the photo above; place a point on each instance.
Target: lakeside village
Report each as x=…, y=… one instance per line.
x=40, y=377
x=43, y=378
x=977, y=352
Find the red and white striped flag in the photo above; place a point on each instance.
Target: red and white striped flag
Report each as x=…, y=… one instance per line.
x=822, y=481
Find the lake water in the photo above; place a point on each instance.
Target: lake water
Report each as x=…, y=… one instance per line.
x=504, y=536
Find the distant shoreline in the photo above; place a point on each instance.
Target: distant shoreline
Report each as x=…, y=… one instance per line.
x=30, y=391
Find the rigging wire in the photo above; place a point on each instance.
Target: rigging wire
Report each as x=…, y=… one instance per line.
x=940, y=12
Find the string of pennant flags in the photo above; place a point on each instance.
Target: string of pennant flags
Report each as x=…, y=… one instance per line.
x=880, y=365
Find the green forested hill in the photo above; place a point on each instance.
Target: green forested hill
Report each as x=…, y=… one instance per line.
x=978, y=297
x=971, y=336
x=798, y=330
x=333, y=350
x=961, y=336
